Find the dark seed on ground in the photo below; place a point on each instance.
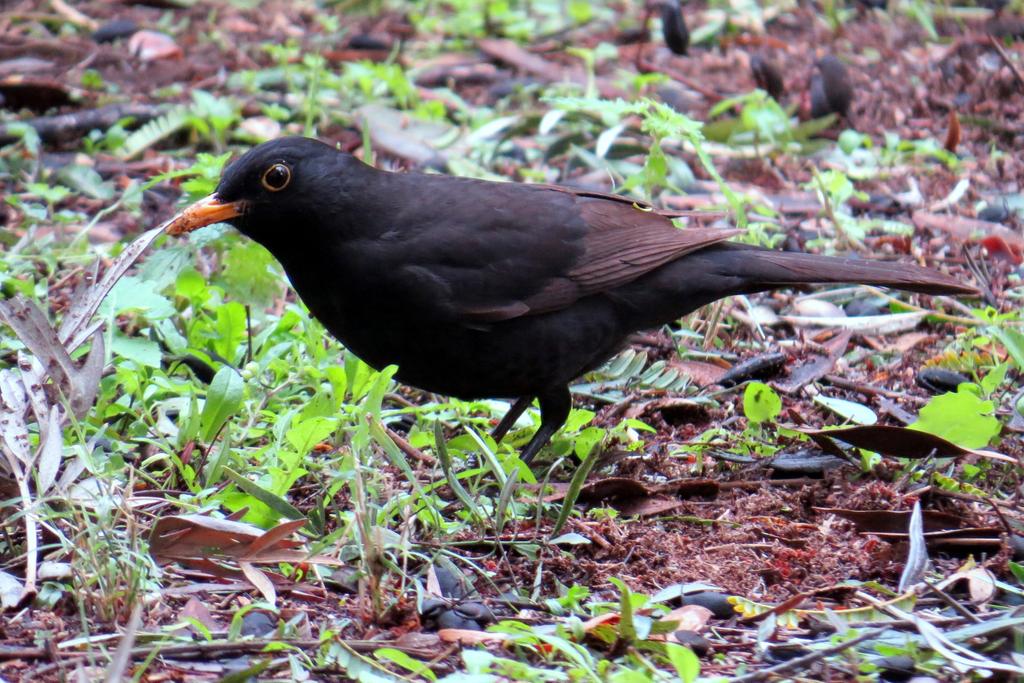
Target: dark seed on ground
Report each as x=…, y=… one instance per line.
x=694, y=641
x=862, y=307
x=759, y=367
x=114, y=29
x=476, y=611
x=995, y=213
x=673, y=27
x=718, y=603
x=767, y=76
x=258, y=624
x=939, y=380
x=896, y=668
x=452, y=619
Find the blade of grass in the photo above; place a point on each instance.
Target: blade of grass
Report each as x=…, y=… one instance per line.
x=445, y=458
x=578, y=479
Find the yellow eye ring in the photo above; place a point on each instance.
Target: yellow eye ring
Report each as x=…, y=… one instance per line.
x=276, y=178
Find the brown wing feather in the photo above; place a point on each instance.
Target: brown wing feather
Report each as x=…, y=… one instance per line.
x=626, y=241
x=622, y=240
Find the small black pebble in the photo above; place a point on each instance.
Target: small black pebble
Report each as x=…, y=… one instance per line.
x=995, y=213
x=673, y=27
x=1017, y=546
x=114, y=29
x=861, y=307
x=451, y=619
x=450, y=584
x=432, y=607
x=759, y=367
x=258, y=624
x=784, y=653
x=477, y=611
x=365, y=41
x=939, y=381
x=807, y=462
x=718, y=603
x=895, y=668
x=694, y=641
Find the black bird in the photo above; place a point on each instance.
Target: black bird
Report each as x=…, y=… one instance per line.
x=487, y=289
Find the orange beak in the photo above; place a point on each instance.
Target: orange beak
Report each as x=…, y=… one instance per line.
x=206, y=211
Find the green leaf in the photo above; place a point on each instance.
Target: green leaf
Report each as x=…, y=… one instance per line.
x=579, y=477
x=761, y=403
x=191, y=285
x=1014, y=343
x=223, y=399
x=133, y=294
x=305, y=434
x=272, y=501
x=990, y=382
x=143, y=351
x=87, y=181
x=684, y=661
x=231, y=329
x=251, y=273
x=962, y=417
x=413, y=666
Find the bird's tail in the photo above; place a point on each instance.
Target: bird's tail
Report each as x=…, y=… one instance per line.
x=728, y=268
x=761, y=269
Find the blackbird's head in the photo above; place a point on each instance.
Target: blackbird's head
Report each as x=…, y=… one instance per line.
x=267, y=190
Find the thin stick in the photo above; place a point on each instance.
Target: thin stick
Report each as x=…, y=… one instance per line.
x=802, y=662
x=1006, y=60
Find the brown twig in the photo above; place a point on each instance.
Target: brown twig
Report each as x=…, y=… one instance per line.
x=409, y=449
x=219, y=648
x=1006, y=60
x=869, y=389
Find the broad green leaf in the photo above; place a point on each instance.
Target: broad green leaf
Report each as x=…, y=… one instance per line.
x=990, y=382
x=684, y=661
x=399, y=658
x=133, y=294
x=139, y=349
x=251, y=273
x=272, y=501
x=231, y=329
x=305, y=434
x=223, y=400
x=761, y=403
x=961, y=417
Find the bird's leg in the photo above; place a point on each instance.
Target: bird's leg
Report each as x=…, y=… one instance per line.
x=554, y=411
x=517, y=409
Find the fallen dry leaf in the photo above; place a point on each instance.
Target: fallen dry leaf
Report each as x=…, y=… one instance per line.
x=150, y=46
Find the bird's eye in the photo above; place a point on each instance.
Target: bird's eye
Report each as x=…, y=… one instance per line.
x=277, y=177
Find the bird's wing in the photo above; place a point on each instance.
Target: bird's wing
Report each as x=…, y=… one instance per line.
x=529, y=249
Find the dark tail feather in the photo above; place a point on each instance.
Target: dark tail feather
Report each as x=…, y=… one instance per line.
x=761, y=269
x=727, y=268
